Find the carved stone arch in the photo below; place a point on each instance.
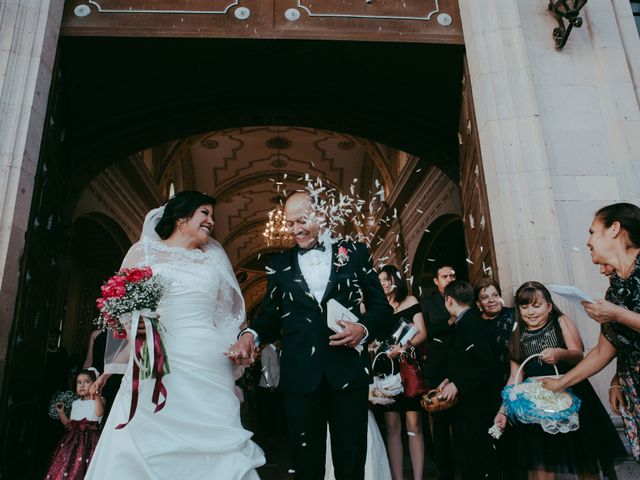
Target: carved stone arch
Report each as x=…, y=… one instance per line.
x=379, y=160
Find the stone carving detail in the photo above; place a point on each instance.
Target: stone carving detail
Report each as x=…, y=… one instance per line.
x=420, y=10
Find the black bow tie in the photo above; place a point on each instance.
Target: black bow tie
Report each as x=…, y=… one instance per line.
x=317, y=246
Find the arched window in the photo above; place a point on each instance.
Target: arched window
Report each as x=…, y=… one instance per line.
x=172, y=190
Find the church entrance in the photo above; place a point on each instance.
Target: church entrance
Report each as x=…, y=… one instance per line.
x=131, y=118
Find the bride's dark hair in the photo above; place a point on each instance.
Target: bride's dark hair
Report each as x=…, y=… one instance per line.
x=181, y=205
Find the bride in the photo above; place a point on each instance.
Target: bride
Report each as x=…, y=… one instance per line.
x=198, y=434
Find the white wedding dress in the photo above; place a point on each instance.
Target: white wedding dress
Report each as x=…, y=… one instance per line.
x=198, y=434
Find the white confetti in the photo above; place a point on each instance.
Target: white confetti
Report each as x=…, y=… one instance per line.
x=288, y=268
x=576, y=249
x=313, y=350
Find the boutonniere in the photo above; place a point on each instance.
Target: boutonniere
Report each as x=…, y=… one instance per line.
x=342, y=257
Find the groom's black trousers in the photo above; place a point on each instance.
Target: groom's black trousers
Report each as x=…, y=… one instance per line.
x=345, y=411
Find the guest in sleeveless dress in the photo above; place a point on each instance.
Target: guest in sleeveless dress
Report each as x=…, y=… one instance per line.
x=73, y=454
x=407, y=311
x=615, y=246
x=595, y=446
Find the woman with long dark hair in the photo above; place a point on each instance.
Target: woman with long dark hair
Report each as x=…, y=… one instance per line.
x=406, y=308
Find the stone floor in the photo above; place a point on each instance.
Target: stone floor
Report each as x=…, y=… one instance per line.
x=279, y=463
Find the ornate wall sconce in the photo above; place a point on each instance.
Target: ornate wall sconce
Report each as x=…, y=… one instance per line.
x=569, y=9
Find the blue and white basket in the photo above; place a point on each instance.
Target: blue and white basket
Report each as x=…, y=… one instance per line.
x=530, y=402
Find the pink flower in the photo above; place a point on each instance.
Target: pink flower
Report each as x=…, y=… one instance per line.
x=342, y=257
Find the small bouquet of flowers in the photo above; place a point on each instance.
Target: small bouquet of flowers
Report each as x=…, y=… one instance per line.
x=129, y=297
x=61, y=398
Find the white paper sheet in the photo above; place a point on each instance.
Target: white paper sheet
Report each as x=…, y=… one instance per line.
x=336, y=311
x=571, y=293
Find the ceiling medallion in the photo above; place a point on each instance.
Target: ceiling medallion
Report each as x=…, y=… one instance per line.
x=346, y=145
x=278, y=143
x=278, y=163
x=209, y=143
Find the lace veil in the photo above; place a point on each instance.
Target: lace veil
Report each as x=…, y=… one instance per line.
x=227, y=322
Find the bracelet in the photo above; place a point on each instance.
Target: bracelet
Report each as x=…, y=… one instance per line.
x=502, y=413
x=615, y=387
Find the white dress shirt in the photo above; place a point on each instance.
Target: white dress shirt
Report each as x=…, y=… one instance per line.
x=315, y=266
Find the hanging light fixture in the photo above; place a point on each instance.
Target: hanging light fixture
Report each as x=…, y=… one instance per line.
x=276, y=232
x=565, y=9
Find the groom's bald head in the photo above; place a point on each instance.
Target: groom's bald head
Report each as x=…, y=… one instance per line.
x=301, y=221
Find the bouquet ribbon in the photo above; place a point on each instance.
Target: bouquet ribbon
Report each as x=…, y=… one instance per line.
x=156, y=361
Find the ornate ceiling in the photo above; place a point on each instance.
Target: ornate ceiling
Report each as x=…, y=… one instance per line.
x=240, y=167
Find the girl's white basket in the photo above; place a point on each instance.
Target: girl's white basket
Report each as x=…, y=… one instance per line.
x=530, y=402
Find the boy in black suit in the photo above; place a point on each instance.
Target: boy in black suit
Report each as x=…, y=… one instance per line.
x=473, y=377
x=323, y=378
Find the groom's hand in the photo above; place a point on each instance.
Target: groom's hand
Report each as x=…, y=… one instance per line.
x=351, y=336
x=244, y=351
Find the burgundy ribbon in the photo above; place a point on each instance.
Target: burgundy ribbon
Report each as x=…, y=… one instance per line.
x=158, y=368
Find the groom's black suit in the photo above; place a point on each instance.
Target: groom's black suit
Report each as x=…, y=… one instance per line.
x=323, y=383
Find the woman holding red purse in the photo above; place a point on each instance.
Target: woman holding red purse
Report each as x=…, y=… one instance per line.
x=402, y=352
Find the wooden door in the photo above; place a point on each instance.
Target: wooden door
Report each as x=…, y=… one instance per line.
x=481, y=254
x=23, y=407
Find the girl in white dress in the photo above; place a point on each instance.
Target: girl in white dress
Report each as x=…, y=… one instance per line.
x=198, y=434
x=74, y=451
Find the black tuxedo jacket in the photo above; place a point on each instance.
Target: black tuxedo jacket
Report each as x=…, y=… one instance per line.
x=439, y=338
x=473, y=366
x=290, y=312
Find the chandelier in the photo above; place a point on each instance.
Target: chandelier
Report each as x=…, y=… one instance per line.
x=276, y=232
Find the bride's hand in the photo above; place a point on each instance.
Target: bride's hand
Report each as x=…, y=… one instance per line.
x=244, y=351
x=98, y=385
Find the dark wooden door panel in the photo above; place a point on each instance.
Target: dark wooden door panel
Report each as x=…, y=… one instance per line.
x=475, y=206
x=429, y=21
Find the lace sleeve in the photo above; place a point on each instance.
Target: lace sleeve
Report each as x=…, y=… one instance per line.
x=116, y=354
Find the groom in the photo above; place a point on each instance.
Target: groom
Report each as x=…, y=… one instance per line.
x=323, y=378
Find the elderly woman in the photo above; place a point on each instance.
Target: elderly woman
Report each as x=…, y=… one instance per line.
x=615, y=244
x=501, y=319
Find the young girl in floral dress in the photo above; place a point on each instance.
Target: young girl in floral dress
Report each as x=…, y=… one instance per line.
x=543, y=330
x=73, y=454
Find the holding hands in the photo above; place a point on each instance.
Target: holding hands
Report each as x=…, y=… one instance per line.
x=244, y=351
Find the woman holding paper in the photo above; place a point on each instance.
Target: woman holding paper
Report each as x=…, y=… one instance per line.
x=614, y=242
x=406, y=309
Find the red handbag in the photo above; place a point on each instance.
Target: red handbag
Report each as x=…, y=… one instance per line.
x=411, y=375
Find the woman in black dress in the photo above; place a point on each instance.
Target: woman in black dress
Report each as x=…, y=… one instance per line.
x=406, y=308
x=614, y=242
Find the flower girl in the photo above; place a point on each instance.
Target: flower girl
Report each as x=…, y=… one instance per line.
x=73, y=454
x=591, y=448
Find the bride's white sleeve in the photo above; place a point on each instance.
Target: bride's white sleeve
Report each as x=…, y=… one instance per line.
x=116, y=354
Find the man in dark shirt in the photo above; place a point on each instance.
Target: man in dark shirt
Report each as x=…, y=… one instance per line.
x=439, y=336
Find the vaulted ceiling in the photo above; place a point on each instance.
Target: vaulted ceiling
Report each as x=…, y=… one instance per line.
x=240, y=168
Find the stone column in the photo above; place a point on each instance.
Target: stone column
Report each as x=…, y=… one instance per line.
x=558, y=134
x=28, y=41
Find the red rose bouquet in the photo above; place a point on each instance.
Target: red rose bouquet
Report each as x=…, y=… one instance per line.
x=129, y=299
